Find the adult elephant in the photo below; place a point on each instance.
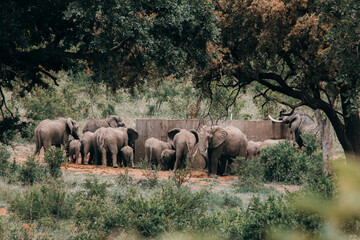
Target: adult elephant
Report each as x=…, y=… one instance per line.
x=299, y=123
x=153, y=149
x=54, y=132
x=112, y=121
x=183, y=141
x=87, y=147
x=219, y=145
x=112, y=140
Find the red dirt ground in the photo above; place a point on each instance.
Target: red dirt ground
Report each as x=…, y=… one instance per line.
x=199, y=177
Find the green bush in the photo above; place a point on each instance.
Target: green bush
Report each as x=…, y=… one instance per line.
x=47, y=199
x=284, y=163
x=164, y=212
x=94, y=188
x=55, y=158
x=249, y=173
x=31, y=171
x=99, y=214
x=4, y=160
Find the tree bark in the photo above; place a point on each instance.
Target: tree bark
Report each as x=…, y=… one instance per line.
x=327, y=142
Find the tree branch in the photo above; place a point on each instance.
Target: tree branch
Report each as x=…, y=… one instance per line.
x=49, y=75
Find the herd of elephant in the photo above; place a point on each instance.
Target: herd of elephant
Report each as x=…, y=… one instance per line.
x=109, y=142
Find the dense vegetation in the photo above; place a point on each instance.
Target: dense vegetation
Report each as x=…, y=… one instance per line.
x=52, y=206
x=179, y=59
x=297, y=53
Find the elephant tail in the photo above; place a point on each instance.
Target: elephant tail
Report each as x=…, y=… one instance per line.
x=101, y=140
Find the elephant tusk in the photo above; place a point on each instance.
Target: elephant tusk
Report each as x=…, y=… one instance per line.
x=274, y=120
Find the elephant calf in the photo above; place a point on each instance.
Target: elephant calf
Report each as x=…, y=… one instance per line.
x=74, y=150
x=167, y=159
x=153, y=149
x=127, y=156
x=253, y=149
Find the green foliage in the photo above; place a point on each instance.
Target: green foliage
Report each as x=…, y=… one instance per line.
x=55, y=158
x=284, y=163
x=10, y=126
x=151, y=175
x=249, y=173
x=48, y=199
x=31, y=171
x=98, y=214
x=109, y=110
x=124, y=179
x=164, y=212
x=53, y=103
x=94, y=188
x=4, y=160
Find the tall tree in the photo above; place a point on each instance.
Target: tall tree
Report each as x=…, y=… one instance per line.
x=120, y=41
x=292, y=47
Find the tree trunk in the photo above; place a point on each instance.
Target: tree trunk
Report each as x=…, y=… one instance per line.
x=327, y=141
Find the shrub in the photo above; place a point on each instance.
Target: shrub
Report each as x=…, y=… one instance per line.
x=124, y=179
x=43, y=200
x=164, y=212
x=152, y=176
x=250, y=174
x=94, y=188
x=98, y=214
x=284, y=163
x=55, y=158
x=31, y=171
x=4, y=160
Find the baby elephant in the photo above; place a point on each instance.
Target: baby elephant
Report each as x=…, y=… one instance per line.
x=153, y=150
x=127, y=156
x=74, y=150
x=167, y=159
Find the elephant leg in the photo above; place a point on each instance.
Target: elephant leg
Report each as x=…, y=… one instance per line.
x=114, y=156
x=222, y=165
x=214, y=161
x=91, y=159
x=77, y=158
x=178, y=159
x=84, y=158
x=103, y=157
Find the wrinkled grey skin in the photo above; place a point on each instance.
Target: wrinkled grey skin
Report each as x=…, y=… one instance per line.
x=270, y=143
x=74, y=150
x=252, y=149
x=219, y=145
x=127, y=156
x=167, y=159
x=94, y=124
x=54, y=132
x=87, y=146
x=183, y=141
x=153, y=150
x=112, y=140
x=300, y=123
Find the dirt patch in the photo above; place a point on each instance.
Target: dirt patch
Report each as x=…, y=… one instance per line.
x=3, y=211
x=199, y=178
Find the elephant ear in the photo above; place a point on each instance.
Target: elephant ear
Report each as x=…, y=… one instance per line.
x=70, y=125
x=173, y=132
x=113, y=122
x=133, y=134
x=196, y=134
x=218, y=137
